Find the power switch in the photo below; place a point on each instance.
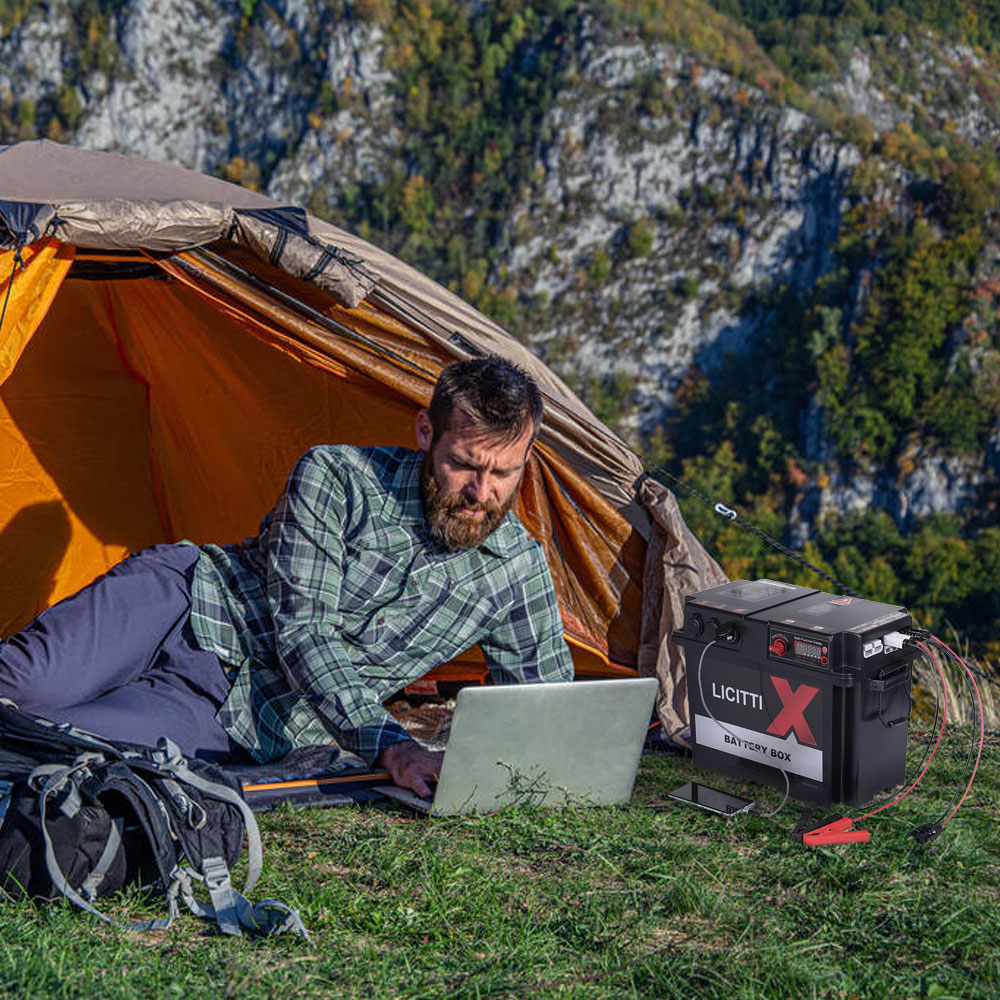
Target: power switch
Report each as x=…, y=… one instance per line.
x=779, y=646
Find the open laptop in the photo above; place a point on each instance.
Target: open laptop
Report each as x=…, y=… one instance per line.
x=574, y=743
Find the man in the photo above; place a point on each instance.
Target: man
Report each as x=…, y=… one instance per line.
x=375, y=565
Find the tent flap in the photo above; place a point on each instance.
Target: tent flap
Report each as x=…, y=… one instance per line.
x=676, y=565
x=341, y=274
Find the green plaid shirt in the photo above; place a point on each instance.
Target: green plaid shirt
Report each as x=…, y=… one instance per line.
x=342, y=599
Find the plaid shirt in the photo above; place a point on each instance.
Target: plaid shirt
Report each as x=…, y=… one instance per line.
x=342, y=599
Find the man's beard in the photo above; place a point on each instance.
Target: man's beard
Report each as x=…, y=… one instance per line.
x=451, y=529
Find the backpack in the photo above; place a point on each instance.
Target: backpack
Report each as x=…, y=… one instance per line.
x=82, y=816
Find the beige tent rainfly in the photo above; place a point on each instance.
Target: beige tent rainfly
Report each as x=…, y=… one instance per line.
x=173, y=342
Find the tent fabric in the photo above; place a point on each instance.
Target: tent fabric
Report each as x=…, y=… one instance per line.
x=174, y=342
x=26, y=301
x=110, y=201
x=18, y=221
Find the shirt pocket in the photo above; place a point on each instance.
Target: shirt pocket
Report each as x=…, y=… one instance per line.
x=433, y=620
x=375, y=572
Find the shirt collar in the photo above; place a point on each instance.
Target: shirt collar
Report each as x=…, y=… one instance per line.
x=408, y=508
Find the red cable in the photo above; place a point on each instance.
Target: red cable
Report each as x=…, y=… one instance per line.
x=982, y=725
x=944, y=716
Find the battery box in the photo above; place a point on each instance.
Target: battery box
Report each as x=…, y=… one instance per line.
x=799, y=681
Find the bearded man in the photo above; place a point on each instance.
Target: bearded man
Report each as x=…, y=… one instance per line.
x=375, y=565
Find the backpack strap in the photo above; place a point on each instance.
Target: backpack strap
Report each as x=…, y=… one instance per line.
x=228, y=907
x=168, y=760
x=42, y=733
x=119, y=778
x=233, y=912
x=93, y=881
x=52, y=781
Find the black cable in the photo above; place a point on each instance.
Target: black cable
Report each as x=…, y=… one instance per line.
x=981, y=676
x=727, y=512
x=928, y=743
x=722, y=725
x=18, y=259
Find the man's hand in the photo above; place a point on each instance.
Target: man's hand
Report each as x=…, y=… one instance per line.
x=411, y=766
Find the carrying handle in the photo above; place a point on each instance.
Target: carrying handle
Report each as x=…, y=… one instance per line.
x=883, y=682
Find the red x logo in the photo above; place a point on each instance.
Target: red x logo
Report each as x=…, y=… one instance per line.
x=793, y=705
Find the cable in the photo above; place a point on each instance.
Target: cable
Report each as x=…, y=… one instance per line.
x=982, y=728
x=704, y=704
x=732, y=515
x=972, y=747
x=18, y=259
x=937, y=714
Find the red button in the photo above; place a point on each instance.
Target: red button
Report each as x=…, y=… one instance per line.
x=779, y=647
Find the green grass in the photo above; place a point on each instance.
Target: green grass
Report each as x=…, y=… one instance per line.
x=653, y=900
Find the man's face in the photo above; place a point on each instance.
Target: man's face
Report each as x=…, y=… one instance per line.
x=470, y=479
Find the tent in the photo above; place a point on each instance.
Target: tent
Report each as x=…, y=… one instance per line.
x=172, y=342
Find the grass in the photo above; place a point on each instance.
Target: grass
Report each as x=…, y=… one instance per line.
x=652, y=900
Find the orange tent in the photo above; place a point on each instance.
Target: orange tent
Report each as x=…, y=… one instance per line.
x=170, y=344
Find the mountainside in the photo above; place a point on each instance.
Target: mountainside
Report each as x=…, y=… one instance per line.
x=759, y=237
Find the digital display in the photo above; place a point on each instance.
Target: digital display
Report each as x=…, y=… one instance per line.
x=808, y=649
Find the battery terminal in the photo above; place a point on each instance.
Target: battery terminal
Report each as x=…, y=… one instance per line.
x=894, y=641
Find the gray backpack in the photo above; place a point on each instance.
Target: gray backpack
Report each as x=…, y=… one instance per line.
x=81, y=817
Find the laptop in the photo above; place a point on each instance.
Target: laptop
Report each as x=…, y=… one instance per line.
x=569, y=743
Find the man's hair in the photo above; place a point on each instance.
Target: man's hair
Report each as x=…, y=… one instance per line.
x=493, y=393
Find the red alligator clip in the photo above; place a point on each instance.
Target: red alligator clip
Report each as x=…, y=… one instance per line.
x=834, y=829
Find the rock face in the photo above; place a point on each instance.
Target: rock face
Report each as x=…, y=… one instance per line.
x=667, y=196
x=358, y=143
x=695, y=192
x=157, y=103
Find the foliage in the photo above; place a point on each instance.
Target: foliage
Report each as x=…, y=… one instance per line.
x=473, y=82
x=891, y=377
x=974, y=22
x=693, y=25
x=91, y=46
x=639, y=238
x=12, y=12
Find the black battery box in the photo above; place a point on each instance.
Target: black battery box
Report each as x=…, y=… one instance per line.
x=787, y=679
